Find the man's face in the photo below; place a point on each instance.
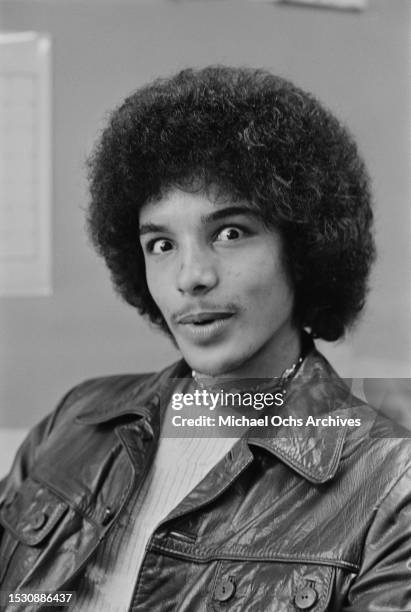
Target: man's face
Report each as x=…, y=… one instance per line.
x=216, y=274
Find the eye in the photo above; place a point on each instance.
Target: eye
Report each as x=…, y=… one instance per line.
x=230, y=233
x=159, y=245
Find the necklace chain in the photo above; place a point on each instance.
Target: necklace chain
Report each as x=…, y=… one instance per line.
x=285, y=377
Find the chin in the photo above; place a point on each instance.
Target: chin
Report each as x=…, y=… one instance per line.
x=212, y=364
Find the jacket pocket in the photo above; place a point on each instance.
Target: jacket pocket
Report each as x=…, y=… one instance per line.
x=272, y=586
x=29, y=516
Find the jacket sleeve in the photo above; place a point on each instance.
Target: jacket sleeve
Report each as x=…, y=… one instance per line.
x=384, y=581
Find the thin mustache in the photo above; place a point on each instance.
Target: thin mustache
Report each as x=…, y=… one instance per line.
x=203, y=307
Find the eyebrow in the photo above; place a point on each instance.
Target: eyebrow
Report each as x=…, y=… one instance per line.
x=221, y=213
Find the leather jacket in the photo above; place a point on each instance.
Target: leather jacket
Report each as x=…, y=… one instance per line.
x=284, y=522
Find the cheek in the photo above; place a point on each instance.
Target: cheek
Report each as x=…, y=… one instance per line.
x=158, y=288
x=266, y=298
x=263, y=279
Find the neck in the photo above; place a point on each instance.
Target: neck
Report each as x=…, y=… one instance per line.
x=270, y=362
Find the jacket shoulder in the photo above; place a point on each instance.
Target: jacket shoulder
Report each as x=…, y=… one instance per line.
x=94, y=400
x=104, y=398
x=108, y=386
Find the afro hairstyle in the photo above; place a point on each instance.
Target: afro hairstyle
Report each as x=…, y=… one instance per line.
x=258, y=138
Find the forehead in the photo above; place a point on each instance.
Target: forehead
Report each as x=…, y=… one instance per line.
x=177, y=204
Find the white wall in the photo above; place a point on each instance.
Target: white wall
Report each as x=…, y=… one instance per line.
x=10, y=440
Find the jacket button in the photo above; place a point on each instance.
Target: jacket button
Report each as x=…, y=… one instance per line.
x=305, y=598
x=224, y=590
x=38, y=520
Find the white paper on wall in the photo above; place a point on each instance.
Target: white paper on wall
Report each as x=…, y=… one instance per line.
x=336, y=4
x=25, y=164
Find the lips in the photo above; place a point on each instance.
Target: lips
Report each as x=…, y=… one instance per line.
x=205, y=328
x=202, y=318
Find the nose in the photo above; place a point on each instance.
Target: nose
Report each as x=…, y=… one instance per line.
x=197, y=272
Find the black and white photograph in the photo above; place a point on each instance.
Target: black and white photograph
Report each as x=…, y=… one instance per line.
x=205, y=305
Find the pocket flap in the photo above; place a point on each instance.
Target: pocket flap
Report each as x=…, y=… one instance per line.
x=32, y=512
x=272, y=586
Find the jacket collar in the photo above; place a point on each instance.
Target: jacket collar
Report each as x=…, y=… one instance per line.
x=316, y=390
x=314, y=451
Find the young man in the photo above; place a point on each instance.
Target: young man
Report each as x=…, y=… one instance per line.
x=233, y=210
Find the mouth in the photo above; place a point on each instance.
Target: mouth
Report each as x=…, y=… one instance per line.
x=206, y=326
x=204, y=318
